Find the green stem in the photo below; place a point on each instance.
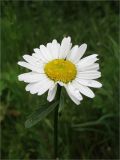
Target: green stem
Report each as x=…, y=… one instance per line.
x=56, y=124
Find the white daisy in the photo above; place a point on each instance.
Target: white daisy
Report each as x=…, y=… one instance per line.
x=55, y=64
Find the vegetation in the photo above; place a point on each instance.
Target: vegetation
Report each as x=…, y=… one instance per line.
x=88, y=131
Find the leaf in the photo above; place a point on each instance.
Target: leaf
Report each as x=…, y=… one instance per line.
x=39, y=114
x=92, y=123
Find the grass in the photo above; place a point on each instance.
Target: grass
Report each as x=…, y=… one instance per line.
x=89, y=131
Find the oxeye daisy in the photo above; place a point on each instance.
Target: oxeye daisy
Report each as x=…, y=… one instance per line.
x=60, y=64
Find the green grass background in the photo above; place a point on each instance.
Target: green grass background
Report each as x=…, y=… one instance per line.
x=88, y=131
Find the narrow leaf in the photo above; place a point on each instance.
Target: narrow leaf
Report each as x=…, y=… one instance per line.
x=92, y=123
x=39, y=114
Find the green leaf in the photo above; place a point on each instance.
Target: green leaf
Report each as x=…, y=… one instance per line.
x=92, y=123
x=39, y=114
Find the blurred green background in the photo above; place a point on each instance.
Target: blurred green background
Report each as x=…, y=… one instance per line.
x=88, y=131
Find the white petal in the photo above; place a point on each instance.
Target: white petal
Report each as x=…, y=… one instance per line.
x=89, y=72
x=35, y=86
x=31, y=77
x=77, y=53
x=38, y=55
x=37, y=50
x=90, y=83
x=84, y=90
x=71, y=95
x=39, y=87
x=51, y=50
x=89, y=75
x=32, y=60
x=75, y=91
x=31, y=67
x=54, y=48
x=29, y=58
x=82, y=50
x=45, y=86
x=52, y=93
x=94, y=66
x=73, y=53
x=45, y=53
x=65, y=47
x=87, y=61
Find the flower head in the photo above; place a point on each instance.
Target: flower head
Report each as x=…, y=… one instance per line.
x=55, y=64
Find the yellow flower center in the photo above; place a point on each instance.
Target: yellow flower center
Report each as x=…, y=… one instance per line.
x=60, y=70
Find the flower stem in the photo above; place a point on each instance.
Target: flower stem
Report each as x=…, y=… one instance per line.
x=56, y=124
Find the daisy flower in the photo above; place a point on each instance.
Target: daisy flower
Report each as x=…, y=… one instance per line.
x=61, y=64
